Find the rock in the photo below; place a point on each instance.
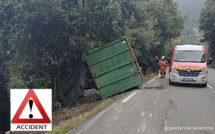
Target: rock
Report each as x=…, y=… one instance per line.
x=91, y=95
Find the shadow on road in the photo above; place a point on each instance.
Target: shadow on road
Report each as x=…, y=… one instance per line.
x=188, y=85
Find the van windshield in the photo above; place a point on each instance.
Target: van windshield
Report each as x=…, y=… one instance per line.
x=189, y=56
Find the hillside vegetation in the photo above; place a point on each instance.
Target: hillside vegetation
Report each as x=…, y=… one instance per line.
x=207, y=25
x=191, y=9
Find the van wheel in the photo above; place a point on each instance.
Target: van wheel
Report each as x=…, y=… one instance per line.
x=204, y=85
x=171, y=83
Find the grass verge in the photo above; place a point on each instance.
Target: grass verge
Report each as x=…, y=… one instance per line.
x=67, y=125
x=212, y=66
x=148, y=76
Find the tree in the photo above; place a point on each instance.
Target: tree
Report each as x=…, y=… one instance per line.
x=191, y=9
x=207, y=24
x=150, y=27
x=43, y=43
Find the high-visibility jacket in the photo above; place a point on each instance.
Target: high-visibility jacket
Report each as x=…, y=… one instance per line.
x=163, y=64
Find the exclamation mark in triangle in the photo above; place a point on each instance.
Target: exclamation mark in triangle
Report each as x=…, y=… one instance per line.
x=31, y=105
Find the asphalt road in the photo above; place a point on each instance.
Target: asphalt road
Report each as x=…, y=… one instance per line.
x=158, y=108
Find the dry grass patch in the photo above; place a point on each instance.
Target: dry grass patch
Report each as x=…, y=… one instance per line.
x=72, y=122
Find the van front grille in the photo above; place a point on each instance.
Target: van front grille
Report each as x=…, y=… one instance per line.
x=188, y=74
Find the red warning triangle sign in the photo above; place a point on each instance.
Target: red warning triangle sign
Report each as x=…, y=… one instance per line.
x=32, y=95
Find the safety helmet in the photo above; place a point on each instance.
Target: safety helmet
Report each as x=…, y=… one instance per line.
x=163, y=57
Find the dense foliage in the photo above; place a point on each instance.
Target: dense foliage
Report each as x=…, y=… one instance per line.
x=207, y=24
x=155, y=24
x=42, y=41
x=191, y=9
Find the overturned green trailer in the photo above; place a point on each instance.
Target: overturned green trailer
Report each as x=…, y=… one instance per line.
x=114, y=68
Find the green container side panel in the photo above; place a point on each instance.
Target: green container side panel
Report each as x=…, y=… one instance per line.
x=113, y=68
x=116, y=75
x=111, y=64
x=106, y=52
x=111, y=43
x=120, y=86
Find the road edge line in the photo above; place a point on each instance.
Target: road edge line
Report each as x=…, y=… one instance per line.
x=151, y=81
x=129, y=97
x=209, y=86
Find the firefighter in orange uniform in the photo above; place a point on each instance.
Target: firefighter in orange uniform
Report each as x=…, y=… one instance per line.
x=163, y=65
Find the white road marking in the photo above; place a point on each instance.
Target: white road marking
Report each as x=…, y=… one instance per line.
x=142, y=113
x=154, y=102
x=88, y=124
x=165, y=127
x=144, y=128
x=151, y=80
x=150, y=115
x=118, y=111
x=209, y=86
x=129, y=97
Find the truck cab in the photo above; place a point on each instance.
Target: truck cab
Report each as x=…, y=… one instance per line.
x=188, y=64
